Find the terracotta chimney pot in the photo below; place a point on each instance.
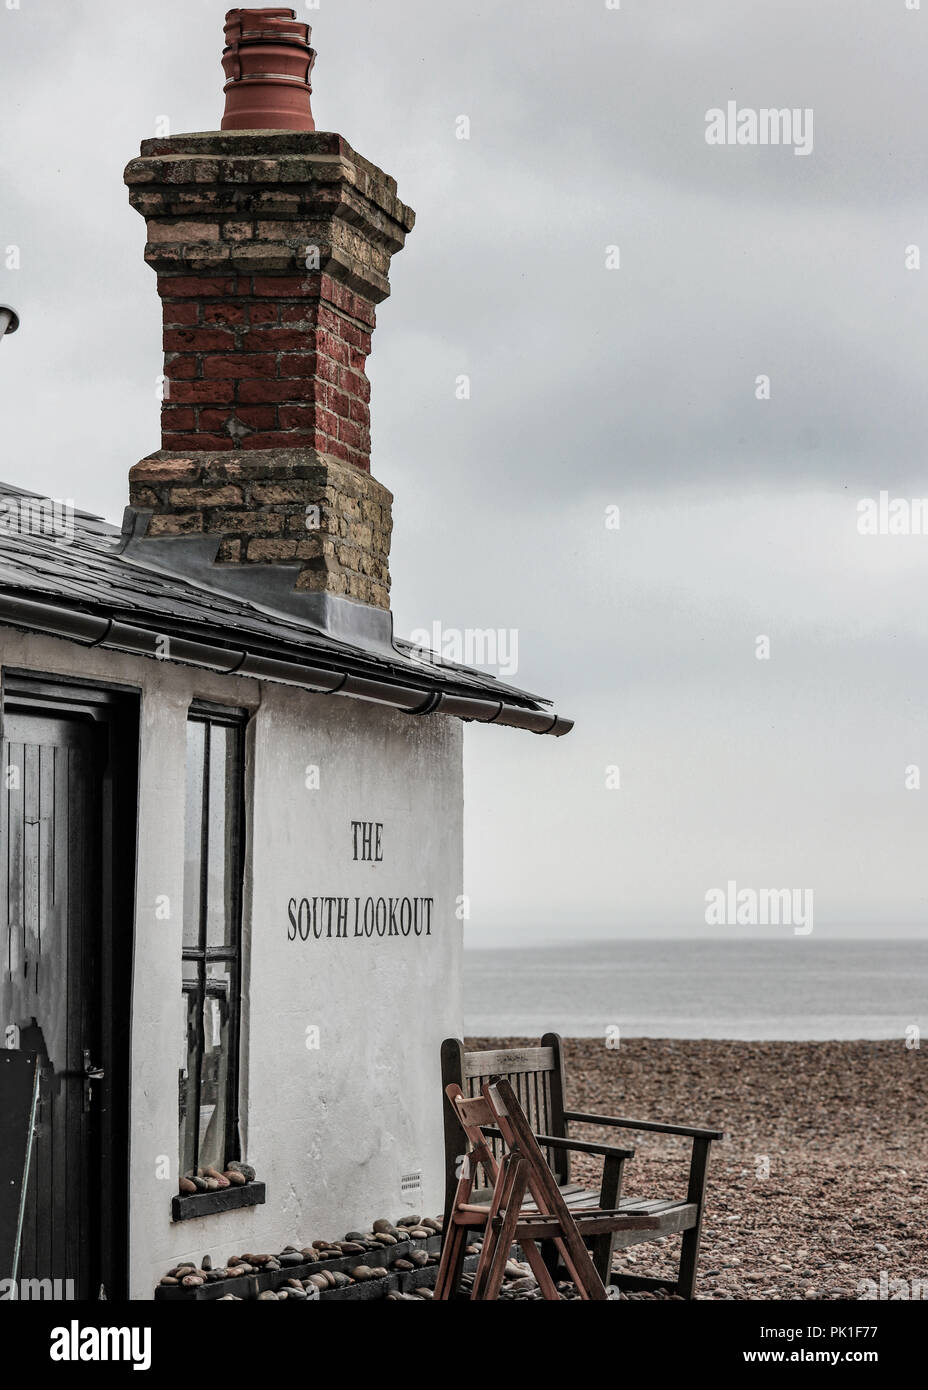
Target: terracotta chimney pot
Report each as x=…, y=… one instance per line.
x=267, y=62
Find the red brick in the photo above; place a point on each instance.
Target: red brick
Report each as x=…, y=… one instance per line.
x=276, y=340
x=349, y=302
x=354, y=383
x=236, y=365
x=177, y=418
x=359, y=412
x=337, y=402
x=181, y=368
x=329, y=320
x=285, y=286
x=260, y=392
x=339, y=451
x=195, y=286
x=179, y=312
x=294, y=440
x=198, y=340
x=299, y=364
x=255, y=417
x=223, y=313
x=263, y=313
x=334, y=347
x=327, y=369
x=205, y=392
x=327, y=422
x=215, y=442
x=349, y=434
x=297, y=417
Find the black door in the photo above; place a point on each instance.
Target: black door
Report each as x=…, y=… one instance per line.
x=63, y=975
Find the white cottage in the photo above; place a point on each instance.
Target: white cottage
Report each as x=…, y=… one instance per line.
x=232, y=807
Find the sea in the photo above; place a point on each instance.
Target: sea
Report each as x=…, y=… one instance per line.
x=784, y=989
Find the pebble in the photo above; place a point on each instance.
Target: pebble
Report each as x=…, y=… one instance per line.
x=234, y=1179
x=378, y=1241
x=246, y=1170
x=186, y=1185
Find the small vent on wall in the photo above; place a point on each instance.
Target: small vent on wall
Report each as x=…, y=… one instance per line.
x=411, y=1188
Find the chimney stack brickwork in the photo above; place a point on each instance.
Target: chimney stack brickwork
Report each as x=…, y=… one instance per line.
x=272, y=249
x=276, y=506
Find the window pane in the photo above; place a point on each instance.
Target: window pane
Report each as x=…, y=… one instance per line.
x=193, y=830
x=214, y=1075
x=223, y=857
x=187, y=1083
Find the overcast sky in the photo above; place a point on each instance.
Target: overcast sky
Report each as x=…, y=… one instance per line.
x=591, y=388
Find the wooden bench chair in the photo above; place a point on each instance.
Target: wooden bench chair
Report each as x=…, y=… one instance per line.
x=506, y=1219
x=537, y=1077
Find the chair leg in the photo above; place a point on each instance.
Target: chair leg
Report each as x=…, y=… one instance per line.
x=451, y=1266
x=689, y=1254
x=609, y=1195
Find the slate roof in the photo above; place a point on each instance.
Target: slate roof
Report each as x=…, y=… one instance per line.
x=90, y=575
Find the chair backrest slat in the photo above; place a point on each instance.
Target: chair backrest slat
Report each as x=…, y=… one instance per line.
x=536, y=1075
x=509, y=1061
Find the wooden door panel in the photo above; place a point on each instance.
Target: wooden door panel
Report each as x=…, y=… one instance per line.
x=50, y=948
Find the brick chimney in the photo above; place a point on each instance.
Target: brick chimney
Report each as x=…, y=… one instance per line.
x=272, y=248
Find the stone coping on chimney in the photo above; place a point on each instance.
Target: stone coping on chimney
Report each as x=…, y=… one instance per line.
x=267, y=159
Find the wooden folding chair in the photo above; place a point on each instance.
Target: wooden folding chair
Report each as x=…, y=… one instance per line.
x=522, y=1177
x=539, y=1079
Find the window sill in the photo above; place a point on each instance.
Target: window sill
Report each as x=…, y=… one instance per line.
x=198, y=1204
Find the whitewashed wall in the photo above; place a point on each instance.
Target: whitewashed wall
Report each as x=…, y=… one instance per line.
x=330, y=1129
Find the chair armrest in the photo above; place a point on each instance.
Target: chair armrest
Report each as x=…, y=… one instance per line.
x=583, y=1146
x=654, y=1125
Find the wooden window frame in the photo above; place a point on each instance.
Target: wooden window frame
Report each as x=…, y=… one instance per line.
x=211, y=715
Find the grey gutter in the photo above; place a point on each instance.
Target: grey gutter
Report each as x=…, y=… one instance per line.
x=96, y=631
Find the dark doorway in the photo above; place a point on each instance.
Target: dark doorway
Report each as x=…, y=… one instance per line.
x=67, y=868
